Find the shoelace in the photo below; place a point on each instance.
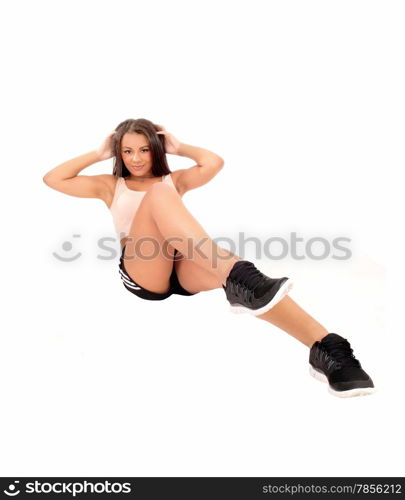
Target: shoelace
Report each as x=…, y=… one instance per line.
x=246, y=281
x=341, y=352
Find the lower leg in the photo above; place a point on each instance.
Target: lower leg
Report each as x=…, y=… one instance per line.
x=286, y=315
x=183, y=232
x=290, y=317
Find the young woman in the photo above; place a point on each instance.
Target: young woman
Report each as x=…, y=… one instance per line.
x=166, y=251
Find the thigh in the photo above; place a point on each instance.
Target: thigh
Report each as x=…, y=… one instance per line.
x=194, y=278
x=148, y=259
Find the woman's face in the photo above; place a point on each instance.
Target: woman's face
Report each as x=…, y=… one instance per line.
x=136, y=154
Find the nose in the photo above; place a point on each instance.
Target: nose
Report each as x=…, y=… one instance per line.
x=136, y=161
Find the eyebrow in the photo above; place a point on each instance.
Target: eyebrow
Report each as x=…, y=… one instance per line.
x=127, y=147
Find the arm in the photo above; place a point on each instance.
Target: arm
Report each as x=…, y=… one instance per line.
x=208, y=165
x=65, y=178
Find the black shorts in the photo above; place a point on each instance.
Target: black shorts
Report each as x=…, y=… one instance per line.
x=143, y=293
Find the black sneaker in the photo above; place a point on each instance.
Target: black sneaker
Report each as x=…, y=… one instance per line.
x=331, y=360
x=249, y=290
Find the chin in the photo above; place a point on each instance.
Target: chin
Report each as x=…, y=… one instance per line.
x=140, y=173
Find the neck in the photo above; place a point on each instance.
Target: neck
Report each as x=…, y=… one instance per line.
x=136, y=178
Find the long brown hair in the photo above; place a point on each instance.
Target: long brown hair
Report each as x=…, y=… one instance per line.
x=156, y=141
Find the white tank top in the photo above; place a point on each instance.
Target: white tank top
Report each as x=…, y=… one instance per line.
x=125, y=204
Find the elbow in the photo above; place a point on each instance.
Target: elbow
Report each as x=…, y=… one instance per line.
x=219, y=163
x=47, y=180
x=214, y=160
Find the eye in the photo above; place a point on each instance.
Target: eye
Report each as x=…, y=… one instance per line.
x=143, y=150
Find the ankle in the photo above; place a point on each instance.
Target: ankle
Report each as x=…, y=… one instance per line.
x=317, y=335
x=226, y=268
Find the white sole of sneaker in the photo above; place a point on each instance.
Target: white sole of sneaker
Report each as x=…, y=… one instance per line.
x=282, y=292
x=340, y=394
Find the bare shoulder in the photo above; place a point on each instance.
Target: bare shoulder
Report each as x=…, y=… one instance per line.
x=175, y=177
x=110, y=181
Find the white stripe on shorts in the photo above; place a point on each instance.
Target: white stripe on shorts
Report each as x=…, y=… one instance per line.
x=131, y=286
x=127, y=280
x=125, y=275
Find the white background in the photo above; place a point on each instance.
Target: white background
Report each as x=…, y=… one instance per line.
x=305, y=102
